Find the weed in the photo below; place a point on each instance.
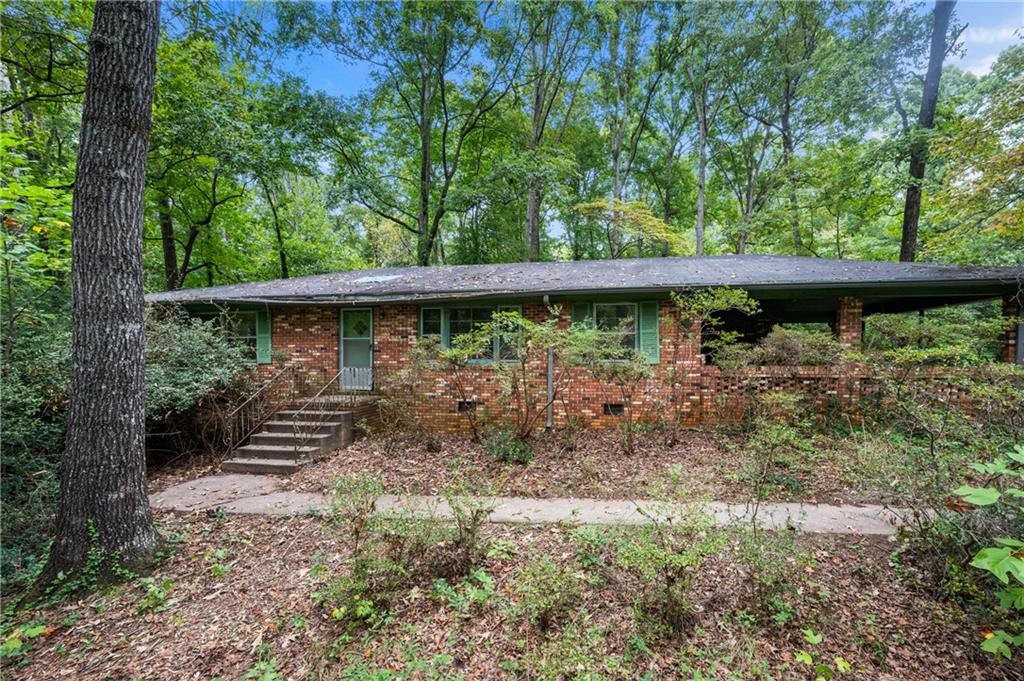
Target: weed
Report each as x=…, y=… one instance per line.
x=546, y=590
x=505, y=446
x=155, y=593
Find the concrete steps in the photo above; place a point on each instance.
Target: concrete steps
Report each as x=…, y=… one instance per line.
x=292, y=438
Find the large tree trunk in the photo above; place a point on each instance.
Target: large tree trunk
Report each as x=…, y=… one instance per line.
x=925, y=121
x=103, y=502
x=170, y=247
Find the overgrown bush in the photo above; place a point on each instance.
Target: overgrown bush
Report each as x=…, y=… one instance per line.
x=399, y=396
x=960, y=334
x=778, y=444
x=190, y=364
x=547, y=591
x=782, y=347
x=666, y=557
x=394, y=552
x=33, y=389
x=195, y=374
x=503, y=445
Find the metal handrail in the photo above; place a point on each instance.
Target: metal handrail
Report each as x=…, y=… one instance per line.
x=256, y=423
x=303, y=438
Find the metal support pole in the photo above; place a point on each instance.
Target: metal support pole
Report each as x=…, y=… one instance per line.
x=550, y=420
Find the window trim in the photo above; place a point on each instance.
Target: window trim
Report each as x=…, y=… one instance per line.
x=636, y=320
x=445, y=335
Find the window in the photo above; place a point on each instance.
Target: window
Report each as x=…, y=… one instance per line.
x=463, y=320
x=430, y=321
x=620, y=318
x=451, y=322
x=241, y=327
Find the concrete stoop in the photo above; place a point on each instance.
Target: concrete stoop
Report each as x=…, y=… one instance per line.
x=292, y=438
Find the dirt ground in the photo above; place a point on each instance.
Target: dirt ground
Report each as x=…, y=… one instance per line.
x=238, y=598
x=699, y=464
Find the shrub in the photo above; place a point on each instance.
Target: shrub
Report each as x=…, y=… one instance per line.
x=503, y=445
x=392, y=553
x=547, y=591
x=798, y=347
x=399, y=394
x=666, y=557
x=772, y=564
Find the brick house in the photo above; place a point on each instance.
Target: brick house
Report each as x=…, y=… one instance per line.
x=351, y=328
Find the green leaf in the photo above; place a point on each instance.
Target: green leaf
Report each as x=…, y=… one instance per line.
x=979, y=496
x=805, y=657
x=1010, y=542
x=1017, y=454
x=823, y=672
x=811, y=637
x=842, y=665
x=998, y=645
x=1000, y=562
x=1012, y=598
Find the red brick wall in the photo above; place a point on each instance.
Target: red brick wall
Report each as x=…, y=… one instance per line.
x=849, y=318
x=307, y=337
x=396, y=329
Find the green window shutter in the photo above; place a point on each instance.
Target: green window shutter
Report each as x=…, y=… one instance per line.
x=649, y=341
x=581, y=313
x=263, y=336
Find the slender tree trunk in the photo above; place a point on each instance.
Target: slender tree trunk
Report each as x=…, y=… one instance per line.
x=103, y=502
x=425, y=241
x=282, y=255
x=531, y=235
x=170, y=247
x=789, y=152
x=925, y=121
x=702, y=174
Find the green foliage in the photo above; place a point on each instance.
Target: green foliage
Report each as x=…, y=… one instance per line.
x=503, y=445
x=957, y=335
x=666, y=557
x=1004, y=560
x=396, y=551
x=155, y=594
x=547, y=591
x=189, y=360
x=469, y=596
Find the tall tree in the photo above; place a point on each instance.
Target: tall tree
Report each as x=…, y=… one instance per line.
x=440, y=70
x=704, y=66
x=925, y=121
x=557, y=64
x=103, y=501
x=633, y=66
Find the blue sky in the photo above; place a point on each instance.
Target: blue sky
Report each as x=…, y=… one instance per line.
x=993, y=25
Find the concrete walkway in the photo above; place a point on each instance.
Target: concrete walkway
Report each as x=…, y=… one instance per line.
x=258, y=494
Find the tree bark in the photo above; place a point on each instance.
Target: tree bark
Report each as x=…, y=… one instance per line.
x=103, y=503
x=925, y=121
x=281, y=252
x=170, y=247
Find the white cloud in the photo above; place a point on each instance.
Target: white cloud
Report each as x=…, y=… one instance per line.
x=982, y=65
x=989, y=35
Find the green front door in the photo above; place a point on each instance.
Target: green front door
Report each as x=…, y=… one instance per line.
x=356, y=349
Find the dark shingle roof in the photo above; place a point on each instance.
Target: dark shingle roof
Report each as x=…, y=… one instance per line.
x=753, y=272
